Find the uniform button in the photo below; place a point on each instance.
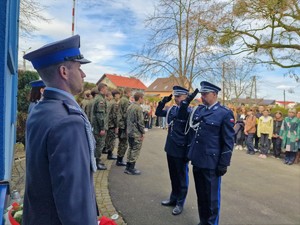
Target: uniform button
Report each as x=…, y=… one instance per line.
x=197, y=142
x=198, y=135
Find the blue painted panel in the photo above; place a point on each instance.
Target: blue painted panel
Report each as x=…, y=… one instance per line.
x=3, y=46
x=3, y=198
x=8, y=89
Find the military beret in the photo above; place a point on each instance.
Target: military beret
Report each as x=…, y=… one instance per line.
x=208, y=87
x=57, y=52
x=37, y=83
x=177, y=90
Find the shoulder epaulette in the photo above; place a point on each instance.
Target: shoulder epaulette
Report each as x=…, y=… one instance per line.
x=224, y=107
x=201, y=106
x=71, y=108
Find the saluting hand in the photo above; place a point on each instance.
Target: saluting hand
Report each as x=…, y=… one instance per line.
x=167, y=98
x=190, y=97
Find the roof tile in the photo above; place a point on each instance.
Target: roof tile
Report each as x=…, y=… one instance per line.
x=130, y=82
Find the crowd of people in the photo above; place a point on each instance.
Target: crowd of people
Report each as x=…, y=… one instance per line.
x=256, y=130
x=259, y=131
x=109, y=112
x=65, y=140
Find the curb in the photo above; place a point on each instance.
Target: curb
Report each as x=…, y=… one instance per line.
x=105, y=205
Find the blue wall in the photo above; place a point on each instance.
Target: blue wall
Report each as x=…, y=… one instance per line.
x=9, y=16
x=8, y=83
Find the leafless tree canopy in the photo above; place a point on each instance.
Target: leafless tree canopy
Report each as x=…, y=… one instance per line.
x=30, y=11
x=235, y=77
x=177, y=45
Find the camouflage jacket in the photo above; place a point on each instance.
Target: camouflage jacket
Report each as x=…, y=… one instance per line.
x=100, y=116
x=123, y=106
x=135, y=121
x=113, y=114
x=89, y=109
x=84, y=104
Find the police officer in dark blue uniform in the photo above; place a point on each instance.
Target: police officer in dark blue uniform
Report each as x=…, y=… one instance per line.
x=210, y=151
x=37, y=89
x=60, y=146
x=177, y=146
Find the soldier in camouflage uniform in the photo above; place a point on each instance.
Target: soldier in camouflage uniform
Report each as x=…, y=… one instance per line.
x=135, y=131
x=112, y=110
x=108, y=98
x=85, y=101
x=99, y=123
x=90, y=104
x=122, y=135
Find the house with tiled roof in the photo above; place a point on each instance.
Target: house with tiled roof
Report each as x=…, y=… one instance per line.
x=164, y=86
x=114, y=81
x=288, y=104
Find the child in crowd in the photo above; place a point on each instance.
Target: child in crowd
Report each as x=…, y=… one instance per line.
x=298, y=153
x=275, y=137
x=264, y=132
x=289, y=133
x=239, y=128
x=250, y=129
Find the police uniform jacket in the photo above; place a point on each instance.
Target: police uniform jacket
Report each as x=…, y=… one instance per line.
x=59, y=179
x=177, y=141
x=214, y=137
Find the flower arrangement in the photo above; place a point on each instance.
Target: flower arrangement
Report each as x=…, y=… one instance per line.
x=15, y=214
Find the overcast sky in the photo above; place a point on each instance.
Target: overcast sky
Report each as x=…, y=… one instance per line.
x=111, y=29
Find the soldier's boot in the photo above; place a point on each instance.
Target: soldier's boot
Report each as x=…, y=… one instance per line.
x=110, y=156
x=100, y=166
x=104, y=151
x=120, y=161
x=131, y=170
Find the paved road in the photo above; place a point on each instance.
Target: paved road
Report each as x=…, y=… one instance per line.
x=254, y=191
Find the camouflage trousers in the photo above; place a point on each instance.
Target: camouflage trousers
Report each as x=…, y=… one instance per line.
x=123, y=142
x=110, y=139
x=100, y=144
x=135, y=145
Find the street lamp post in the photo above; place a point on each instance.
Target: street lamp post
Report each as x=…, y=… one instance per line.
x=24, y=61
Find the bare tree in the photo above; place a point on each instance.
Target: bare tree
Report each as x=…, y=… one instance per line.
x=268, y=31
x=177, y=44
x=30, y=11
x=234, y=76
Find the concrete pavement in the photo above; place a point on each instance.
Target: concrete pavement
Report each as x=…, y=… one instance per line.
x=254, y=191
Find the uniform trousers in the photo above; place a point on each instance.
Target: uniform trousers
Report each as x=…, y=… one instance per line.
x=110, y=139
x=123, y=142
x=179, y=176
x=135, y=145
x=208, y=189
x=100, y=144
